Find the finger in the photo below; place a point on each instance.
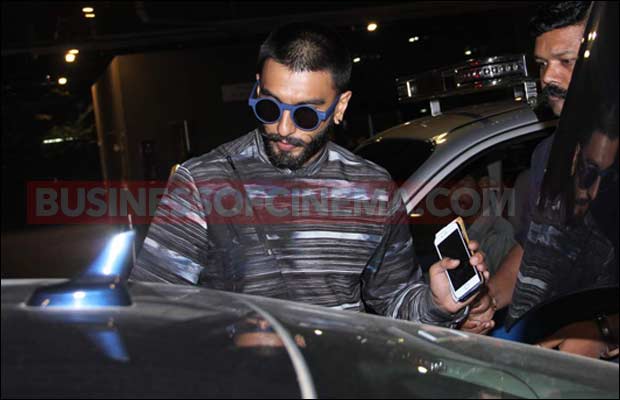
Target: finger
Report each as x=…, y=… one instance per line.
x=480, y=328
x=478, y=308
x=470, y=324
x=440, y=266
x=482, y=267
x=487, y=316
x=449, y=263
x=488, y=327
x=550, y=343
x=466, y=302
x=476, y=259
x=473, y=245
x=483, y=303
x=486, y=275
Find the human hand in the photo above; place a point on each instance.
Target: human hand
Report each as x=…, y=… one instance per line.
x=440, y=286
x=480, y=318
x=582, y=338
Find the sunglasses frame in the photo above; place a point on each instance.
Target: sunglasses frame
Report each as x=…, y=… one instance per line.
x=583, y=167
x=322, y=115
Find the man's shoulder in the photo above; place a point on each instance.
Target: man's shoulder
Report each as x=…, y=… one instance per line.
x=541, y=153
x=213, y=159
x=354, y=163
x=540, y=157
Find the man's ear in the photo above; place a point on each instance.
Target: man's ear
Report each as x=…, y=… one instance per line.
x=573, y=168
x=341, y=107
x=258, y=79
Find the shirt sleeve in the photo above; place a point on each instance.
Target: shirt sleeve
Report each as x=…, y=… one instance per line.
x=176, y=243
x=537, y=174
x=392, y=282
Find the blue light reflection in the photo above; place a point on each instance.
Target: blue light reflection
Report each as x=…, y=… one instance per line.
x=114, y=258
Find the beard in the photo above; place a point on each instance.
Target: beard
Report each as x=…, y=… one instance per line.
x=283, y=159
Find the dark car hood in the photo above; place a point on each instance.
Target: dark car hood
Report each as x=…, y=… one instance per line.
x=192, y=342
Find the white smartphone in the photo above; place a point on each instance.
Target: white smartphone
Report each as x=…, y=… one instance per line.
x=451, y=242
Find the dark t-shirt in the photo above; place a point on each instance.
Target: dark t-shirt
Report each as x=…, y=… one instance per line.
x=537, y=173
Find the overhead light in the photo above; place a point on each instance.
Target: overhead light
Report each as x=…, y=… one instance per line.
x=318, y=332
x=90, y=15
x=414, y=39
x=74, y=51
x=422, y=369
x=423, y=110
x=55, y=140
x=468, y=52
x=69, y=57
x=62, y=81
x=587, y=54
x=357, y=59
x=88, y=10
x=372, y=27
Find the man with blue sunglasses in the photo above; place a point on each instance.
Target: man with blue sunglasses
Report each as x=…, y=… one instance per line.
x=361, y=263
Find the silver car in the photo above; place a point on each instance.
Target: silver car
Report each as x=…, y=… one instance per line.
x=429, y=157
x=100, y=336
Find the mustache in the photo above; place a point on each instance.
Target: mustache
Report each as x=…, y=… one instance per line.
x=554, y=91
x=274, y=137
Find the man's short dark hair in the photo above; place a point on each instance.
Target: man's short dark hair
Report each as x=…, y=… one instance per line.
x=308, y=47
x=558, y=14
x=604, y=121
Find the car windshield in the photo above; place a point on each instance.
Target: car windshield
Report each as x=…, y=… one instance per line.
x=400, y=157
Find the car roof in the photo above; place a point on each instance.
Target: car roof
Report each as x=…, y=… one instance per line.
x=426, y=128
x=454, y=133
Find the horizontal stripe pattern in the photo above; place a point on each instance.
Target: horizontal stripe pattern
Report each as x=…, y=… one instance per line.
x=362, y=265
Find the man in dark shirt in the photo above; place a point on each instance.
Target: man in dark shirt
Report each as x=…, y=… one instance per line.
x=558, y=28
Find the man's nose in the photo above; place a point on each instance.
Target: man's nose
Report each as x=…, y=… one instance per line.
x=593, y=191
x=285, y=125
x=551, y=74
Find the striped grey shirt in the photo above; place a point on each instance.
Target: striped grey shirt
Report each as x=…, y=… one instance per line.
x=358, y=263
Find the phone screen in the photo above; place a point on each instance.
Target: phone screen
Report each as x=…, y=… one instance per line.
x=453, y=247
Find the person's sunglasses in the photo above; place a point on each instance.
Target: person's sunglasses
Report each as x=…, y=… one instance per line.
x=588, y=173
x=305, y=117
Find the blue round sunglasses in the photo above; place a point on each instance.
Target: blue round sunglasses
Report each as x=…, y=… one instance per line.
x=305, y=117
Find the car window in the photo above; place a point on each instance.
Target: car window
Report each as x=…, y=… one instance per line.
x=486, y=192
x=400, y=157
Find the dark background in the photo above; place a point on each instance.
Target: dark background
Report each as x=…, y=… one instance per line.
x=171, y=60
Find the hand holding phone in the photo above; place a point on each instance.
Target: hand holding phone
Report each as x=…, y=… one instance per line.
x=452, y=242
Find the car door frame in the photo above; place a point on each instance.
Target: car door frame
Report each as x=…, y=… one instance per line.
x=412, y=194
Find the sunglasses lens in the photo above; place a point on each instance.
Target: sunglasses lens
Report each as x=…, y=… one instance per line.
x=306, y=118
x=587, y=177
x=267, y=111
